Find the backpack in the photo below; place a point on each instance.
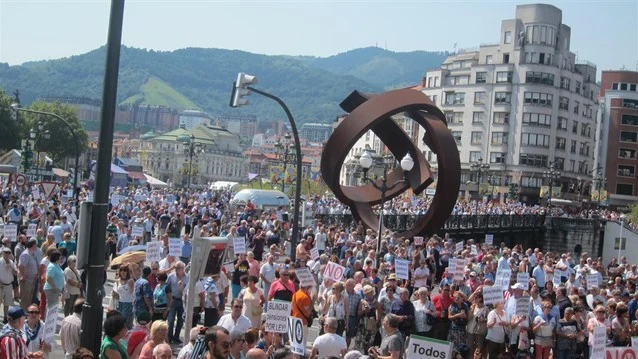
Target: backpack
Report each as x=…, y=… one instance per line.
x=159, y=295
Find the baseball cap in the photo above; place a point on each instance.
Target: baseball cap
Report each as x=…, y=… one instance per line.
x=6, y=249
x=15, y=312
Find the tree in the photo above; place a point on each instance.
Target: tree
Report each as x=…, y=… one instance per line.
x=61, y=143
x=11, y=131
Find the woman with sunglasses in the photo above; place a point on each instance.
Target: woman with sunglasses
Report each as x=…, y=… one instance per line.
x=34, y=332
x=599, y=320
x=73, y=285
x=237, y=344
x=282, y=288
x=477, y=324
x=123, y=291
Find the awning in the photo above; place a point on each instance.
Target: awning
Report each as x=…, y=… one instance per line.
x=154, y=182
x=117, y=169
x=60, y=172
x=137, y=175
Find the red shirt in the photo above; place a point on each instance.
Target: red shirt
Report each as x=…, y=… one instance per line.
x=441, y=303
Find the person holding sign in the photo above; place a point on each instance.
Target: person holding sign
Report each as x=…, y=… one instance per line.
x=302, y=307
x=34, y=332
x=241, y=269
x=543, y=328
x=498, y=324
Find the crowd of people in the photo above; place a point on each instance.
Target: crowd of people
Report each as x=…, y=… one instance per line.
x=371, y=311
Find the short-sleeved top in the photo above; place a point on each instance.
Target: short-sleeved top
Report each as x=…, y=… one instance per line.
x=173, y=282
x=70, y=247
x=392, y=342
x=142, y=290
x=329, y=345
x=107, y=343
x=240, y=270
x=56, y=274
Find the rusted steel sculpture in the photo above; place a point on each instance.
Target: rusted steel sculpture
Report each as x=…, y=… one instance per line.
x=372, y=112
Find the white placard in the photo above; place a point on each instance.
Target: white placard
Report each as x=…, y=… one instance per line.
x=140, y=198
x=459, y=246
x=489, y=239
x=402, y=268
x=154, y=251
x=115, y=199
x=473, y=249
x=50, y=324
x=230, y=267
x=35, y=193
x=418, y=241
x=634, y=342
x=523, y=278
x=277, y=316
x=334, y=271
x=295, y=334
x=503, y=278
x=175, y=247
x=314, y=253
x=557, y=274
x=69, y=193
x=11, y=231
x=620, y=353
x=239, y=245
x=600, y=338
x=422, y=347
x=459, y=269
x=31, y=230
x=592, y=280
x=137, y=231
x=305, y=277
x=492, y=295
x=89, y=197
x=523, y=306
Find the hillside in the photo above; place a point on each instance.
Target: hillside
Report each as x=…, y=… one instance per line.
x=156, y=92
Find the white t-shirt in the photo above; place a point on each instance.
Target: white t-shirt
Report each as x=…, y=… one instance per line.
x=320, y=240
x=421, y=282
x=329, y=345
x=496, y=333
x=242, y=324
x=268, y=271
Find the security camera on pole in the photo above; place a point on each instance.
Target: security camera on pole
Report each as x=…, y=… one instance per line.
x=241, y=89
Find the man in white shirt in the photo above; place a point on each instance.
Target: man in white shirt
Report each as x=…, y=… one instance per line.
x=320, y=240
x=421, y=275
x=234, y=319
x=8, y=270
x=267, y=273
x=329, y=344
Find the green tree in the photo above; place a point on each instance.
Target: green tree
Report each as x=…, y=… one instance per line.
x=61, y=143
x=634, y=213
x=11, y=131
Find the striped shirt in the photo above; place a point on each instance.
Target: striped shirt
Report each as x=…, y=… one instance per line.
x=29, y=266
x=70, y=333
x=12, y=344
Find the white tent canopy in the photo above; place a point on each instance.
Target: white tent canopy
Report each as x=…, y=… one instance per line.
x=154, y=182
x=222, y=185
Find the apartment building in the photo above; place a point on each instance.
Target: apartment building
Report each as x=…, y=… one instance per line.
x=521, y=105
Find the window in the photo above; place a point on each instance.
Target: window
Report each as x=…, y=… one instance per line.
x=479, y=98
x=627, y=153
x=538, y=98
x=532, y=182
x=488, y=59
x=585, y=130
x=499, y=138
x=562, y=123
x=629, y=120
x=533, y=160
x=584, y=149
x=454, y=118
x=507, y=37
x=626, y=189
x=630, y=103
x=565, y=83
x=572, y=149
x=541, y=78
x=576, y=107
x=497, y=157
x=563, y=103
x=577, y=87
x=502, y=98
x=537, y=119
x=458, y=80
x=477, y=117
x=632, y=87
x=534, y=139
x=506, y=58
x=474, y=156
x=434, y=97
x=561, y=143
x=623, y=87
x=626, y=136
x=481, y=77
x=454, y=98
x=457, y=137
x=559, y=163
x=626, y=171
x=436, y=81
x=501, y=118
x=477, y=137
x=504, y=76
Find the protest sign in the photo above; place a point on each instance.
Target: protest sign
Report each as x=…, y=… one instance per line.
x=154, y=251
x=31, y=230
x=139, y=197
x=473, y=249
x=137, y=231
x=422, y=347
x=600, y=338
x=175, y=247
x=592, y=280
x=305, y=277
x=116, y=198
x=230, y=267
x=295, y=334
x=557, y=274
x=492, y=295
x=418, y=241
x=11, y=231
x=489, y=239
x=459, y=246
x=620, y=353
x=50, y=324
x=277, y=316
x=239, y=245
x=459, y=269
x=503, y=278
x=523, y=278
x=334, y=271
x=402, y=268
x=523, y=306
x=634, y=342
x=314, y=253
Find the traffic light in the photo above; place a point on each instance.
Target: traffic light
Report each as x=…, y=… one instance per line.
x=27, y=156
x=240, y=89
x=307, y=214
x=513, y=193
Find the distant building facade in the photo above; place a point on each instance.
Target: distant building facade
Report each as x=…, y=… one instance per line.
x=242, y=125
x=193, y=118
x=315, y=132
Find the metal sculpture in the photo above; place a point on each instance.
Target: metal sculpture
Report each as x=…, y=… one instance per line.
x=373, y=112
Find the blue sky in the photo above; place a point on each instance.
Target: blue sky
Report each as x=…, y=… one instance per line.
x=603, y=32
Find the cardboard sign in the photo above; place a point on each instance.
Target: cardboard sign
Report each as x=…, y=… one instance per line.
x=154, y=251
x=334, y=271
x=598, y=348
x=50, y=324
x=305, y=277
x=116, y=198
x=459, y=246
x=620, y=353
x=230, y=267
x=592, y=280
x=422, y=347
x=418, y=241
x=459, y=269
x=137, y=231
x=492, y=295
x=295, y=333
x=523, y=278
x=314, y=253
x=11, y=231
x=503, y=278
x=634, y=342
x=489, y=239
x=523, y=305
x=175, y=247
x=473, y=249
x=140, y=198
x=239, y=245
x=557, y=274
x=31, y=230
x=402, y=268
x=89, y=197
x=277, y=316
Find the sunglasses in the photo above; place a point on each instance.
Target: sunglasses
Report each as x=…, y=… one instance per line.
x=34, y=312
x=238, y=306
x=225, y=345
x=285, y=275
x=154, y=268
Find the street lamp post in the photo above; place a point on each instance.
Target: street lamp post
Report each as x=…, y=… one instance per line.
x=551, y=175
x=600, y=182
x=76, y=193
x=284, y=153
x=381, y=184
x=46, y=135
x=193, y=149
x=479, y=168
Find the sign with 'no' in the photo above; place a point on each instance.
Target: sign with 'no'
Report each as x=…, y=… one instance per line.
x=334, y=271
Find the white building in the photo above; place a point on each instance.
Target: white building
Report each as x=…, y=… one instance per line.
x=315, y=132
x=520, y=105
x=193, y=118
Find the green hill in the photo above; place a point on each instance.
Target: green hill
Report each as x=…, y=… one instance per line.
x=156, y=92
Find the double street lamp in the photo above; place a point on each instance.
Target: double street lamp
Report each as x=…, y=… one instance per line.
x=46, y=135
x=381, y=183
x=284, y=151
x=479, y=168
x=192, y=149
x=551, y=174
x=600, y=181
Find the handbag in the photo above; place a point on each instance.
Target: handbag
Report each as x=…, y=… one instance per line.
x=430, y=319
x=257, y=310
x=523, y=340
x=370, y=323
